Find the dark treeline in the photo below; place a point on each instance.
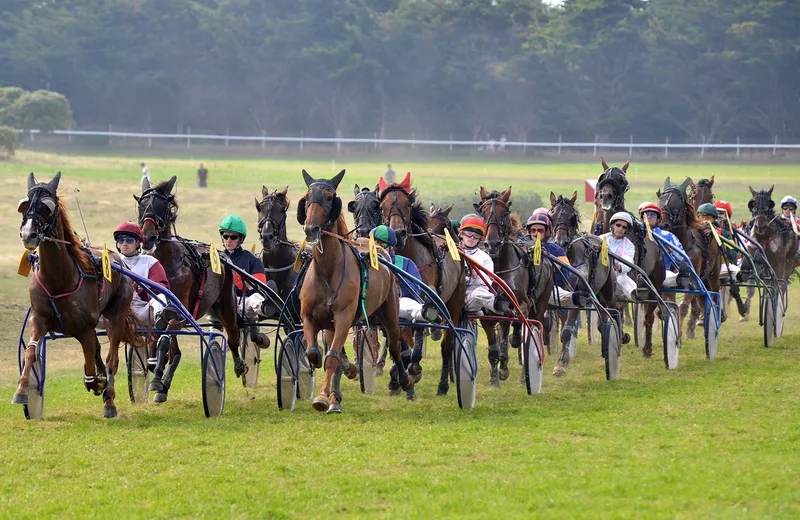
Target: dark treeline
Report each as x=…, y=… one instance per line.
x=690, y=70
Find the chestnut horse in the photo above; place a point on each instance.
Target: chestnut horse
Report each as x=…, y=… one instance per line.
x=332, y=297
x=190, y=276
x=403, y=213
x=532, y=284
x=701, y=193
x=69, y=294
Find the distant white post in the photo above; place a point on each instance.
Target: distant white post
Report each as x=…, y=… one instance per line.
x=188, y=137
x=737, y=146
x=559, y=144
x=595, y=146
x=630, y=148
x=301, y=140
x=666, y=148
x=109, y=131
x=775, y=146
x=263, y=141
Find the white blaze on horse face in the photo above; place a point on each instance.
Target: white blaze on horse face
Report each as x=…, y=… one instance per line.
x=29, y=228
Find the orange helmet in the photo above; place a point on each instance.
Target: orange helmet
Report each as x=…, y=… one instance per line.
x=473, y=223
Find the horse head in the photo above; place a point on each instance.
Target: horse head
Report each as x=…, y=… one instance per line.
x=673, y=204
x=565, y=218
x=398, y=203
x=366, y=210
x=39, y=211
x=272, y=217
x=439, y=220
x=158, y=208
x=702, y=192
x=495, y=210
x=762, y=207
x=320, y=208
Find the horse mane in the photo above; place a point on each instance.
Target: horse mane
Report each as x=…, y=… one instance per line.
x=172, y=200
x=419, y=220
x=691, y=216
x=74, y=245
x=705, y=183
x=341, y=226
x=516, y=223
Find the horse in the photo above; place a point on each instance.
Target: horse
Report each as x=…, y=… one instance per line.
x=366, y=210
x=583, y=251
x=701, y=193
x=404, y=213
x=531, y=284
x=775, y=235
x=69, y=294
x=678, y=217
x=332, y=298
x=610, y=197
x=439, y=220
x=278, y=253
x=190, y=276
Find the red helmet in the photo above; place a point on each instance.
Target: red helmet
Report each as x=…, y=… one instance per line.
x=473, y=224
x=131, y=229
x=649, y=206
x=724, y=204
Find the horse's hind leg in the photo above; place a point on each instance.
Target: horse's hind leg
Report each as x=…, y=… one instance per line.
x=489, y=327
x=649, y=319
x=157, y=385
x=504, y=339
x=174, y=361
x=224, y=308
x=93, y=363
x=566, y=338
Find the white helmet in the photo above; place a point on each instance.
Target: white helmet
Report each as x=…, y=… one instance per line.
x=621, y=215
x=789, y=200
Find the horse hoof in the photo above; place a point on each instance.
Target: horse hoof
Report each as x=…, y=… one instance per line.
x=19, y=399
x=109, y=412
x=744, y=319
x=409, y=383
x=443, y=388
x=626, y=338
x=321, y=403
x=379, y=370
x=436, y=334
x=560, y=371
x=394, y=390
x=415, y=371
x=314, y=355
x=156, y=386
x=411, y=395
x=239, y=368
x=334, y=408
x=160, y=397
x=351, y=372
x=504, y=372
x=647, y=352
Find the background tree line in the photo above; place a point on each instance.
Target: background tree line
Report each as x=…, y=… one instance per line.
x=692, y=70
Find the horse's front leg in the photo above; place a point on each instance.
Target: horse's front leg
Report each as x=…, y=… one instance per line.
x=649, y=319
x=36, y=335
x=330, y=395
x=489, y=327
x=566, y=338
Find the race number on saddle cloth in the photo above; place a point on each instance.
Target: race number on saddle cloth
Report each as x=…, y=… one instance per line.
x=540, y=223
x=233, y=233
x=129, y=237
x=651, y=213
x=619, y=244
x=472, y=230
x=410, y=307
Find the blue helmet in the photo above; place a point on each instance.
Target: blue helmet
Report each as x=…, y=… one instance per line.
x=385, y=235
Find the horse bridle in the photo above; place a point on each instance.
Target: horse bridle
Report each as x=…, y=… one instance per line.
x=675, y=217
x=393, y=209
x=503, y=224
x=37, y=197
x=361, y=215
x=148, y=211
x=317, y=196
x=276, y=225
x=703, y=184
x=756, y=209
x=569, y=223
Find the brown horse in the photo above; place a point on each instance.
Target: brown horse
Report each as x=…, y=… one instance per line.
x=191, y=279
x=701, y=193
x=678, y=217
x=403, y=213
x=69, y=294
x=332, y=290
x=532, y=284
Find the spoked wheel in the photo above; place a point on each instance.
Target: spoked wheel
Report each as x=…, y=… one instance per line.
x=35, y=407
x=768, y=314
x=367, y=353
x=251, y=355
x=592, y=319
x=466, y=367
x=611, y=349
x=138, y=374
x=672, y=338
x=307, y=376
x=287, y=378
x=213, y=379
x=711, y=329
x=780, y=311
x=532, y=361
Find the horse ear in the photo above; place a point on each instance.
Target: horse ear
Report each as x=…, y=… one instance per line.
x=351, y=206
x=483, y=193
x=31, y=181
x=137, y=199
x=446, y=211
x=406, y=184
x=432, y=209
x=264, y=191
x=711, y=182
x=753, y=193
x=768, y=193
x=54, y=183
x=335, y=182
x=603, y=163
x=658, y=193
x=625, y=166
x=258, y=204
x=301, y=210
x=574, y=197
x=284, y=192
x=685, y=183
x=667, y=183
x=356, y=190
x=506, y=196
x=377, y=189
x=382, y=185
x=145, y=184
x=171, y=184
x=552, y=199
x=308, y=179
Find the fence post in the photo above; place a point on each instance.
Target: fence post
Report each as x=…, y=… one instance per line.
x=775, y=146
x=630, y=149
x=595, y=146
x=737, y=146
x=263, y=141
x=375, y=137
x=109, y=131
x=666, y=148
x=338, y=142
x=301, y=140
x=703, y=147
x=559, y=144
x=188, y=137
x=451, y=142
x=413, y=138
x=227, y=133
x=149, y=137
x=524, y=144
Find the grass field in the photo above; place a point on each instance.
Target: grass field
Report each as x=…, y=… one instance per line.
x=711, y=439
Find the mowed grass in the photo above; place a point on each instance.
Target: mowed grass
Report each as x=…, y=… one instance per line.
x=710, y=439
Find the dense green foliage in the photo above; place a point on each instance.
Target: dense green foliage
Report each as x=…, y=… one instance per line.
x=693, y=71
x=8, y=139
x=42, y=110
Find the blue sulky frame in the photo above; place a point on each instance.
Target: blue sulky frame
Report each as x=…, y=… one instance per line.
x=213, y=383
x=712, y=315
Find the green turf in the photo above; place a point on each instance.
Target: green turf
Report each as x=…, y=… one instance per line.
x=711, y=439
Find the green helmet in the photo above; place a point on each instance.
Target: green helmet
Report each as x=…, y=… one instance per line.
x=234, y=224
x=707, y=209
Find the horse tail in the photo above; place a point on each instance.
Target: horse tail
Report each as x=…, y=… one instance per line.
x=131, y=324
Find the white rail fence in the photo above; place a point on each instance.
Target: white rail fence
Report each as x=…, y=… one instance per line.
x=490, y=145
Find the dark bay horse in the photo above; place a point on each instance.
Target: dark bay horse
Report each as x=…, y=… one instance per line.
x=532, y=284
x=366, y=210
x=278, y=252
x=404, y=213
x=583, y=251
x=190, y=277
x=332, y=290
x=610, y=196
x=775, y=235
x=69, y=294
x=678, y=217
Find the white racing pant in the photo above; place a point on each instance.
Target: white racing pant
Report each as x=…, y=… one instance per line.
x=410, y=309
x=725, y=273
x=479, y=297
x=252, y=306
x=670, y=280
x=625, y=286
x=564, y=296
x=143, y=308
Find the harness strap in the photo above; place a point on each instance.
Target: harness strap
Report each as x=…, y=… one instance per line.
x=199, y=295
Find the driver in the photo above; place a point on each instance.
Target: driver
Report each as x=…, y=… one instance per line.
x=621, y=246
x=471, y=231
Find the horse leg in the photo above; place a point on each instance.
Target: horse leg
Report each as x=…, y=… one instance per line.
x=504, y=339
x=224, y=308
x=348, y=369
x=494, y=352
x=649, y=319
x=694, y=316
x=562, y=365
x=415, y=369
x=174, y=361
x=626, y=313
x=115, y=336
x=327, y=400
x=36, y=335
x=750, y=292
x=162, y=357
x=313, y=352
